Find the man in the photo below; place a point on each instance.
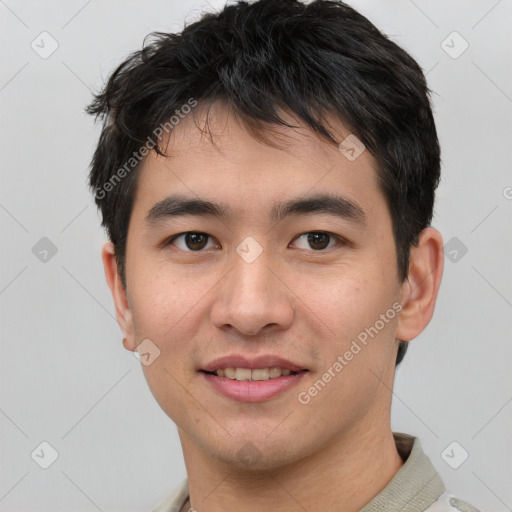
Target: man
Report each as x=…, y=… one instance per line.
x=267, y=179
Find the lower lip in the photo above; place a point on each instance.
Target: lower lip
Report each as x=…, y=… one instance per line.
x=253, y=390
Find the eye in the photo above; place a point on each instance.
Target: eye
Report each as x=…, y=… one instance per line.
x=318, y=240
x=196, y=241
x=192, y=241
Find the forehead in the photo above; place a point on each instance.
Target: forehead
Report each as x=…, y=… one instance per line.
x=212, y=154
x=221, y=129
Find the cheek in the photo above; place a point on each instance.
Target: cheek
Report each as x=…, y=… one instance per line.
x=351, y=314
x=163, y=294
x=341, y=302
x=163, y=309
x=354, y=352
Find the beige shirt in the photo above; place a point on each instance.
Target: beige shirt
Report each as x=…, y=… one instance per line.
x=416, y=487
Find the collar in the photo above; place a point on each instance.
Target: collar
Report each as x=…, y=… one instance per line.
x=415, y=486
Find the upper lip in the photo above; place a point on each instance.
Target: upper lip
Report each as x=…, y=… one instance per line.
x=238, y=361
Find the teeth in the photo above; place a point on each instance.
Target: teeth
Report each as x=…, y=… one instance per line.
x=248, y=374
x=243, y=373
x=274, y=372
x=229, y=373
x=260, y=374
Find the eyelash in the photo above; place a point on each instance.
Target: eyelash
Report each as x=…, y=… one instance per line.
x=341, y=241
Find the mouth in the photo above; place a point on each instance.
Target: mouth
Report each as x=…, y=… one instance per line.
x=251, y=382
x=251, y=375
x=255, y=379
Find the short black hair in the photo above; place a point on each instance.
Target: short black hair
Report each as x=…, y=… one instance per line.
x=315, y=59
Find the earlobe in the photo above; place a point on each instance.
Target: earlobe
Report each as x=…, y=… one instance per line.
x=420, y=289
x=123, y=312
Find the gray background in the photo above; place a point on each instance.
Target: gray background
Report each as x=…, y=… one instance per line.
x=65, y=377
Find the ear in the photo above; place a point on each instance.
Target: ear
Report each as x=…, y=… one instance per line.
x=123, y=312
x=419, y=291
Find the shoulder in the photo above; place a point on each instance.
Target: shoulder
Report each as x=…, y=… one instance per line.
x=448, y=503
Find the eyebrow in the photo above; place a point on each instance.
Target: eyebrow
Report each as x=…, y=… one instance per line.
x=332, y=204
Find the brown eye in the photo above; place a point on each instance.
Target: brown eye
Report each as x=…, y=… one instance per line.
x=317, y=240
x=193, y=241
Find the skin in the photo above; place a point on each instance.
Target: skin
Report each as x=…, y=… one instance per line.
x=302, y=304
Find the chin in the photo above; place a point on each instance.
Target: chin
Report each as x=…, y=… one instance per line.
x=259, y=454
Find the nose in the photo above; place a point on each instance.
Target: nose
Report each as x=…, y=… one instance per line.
x=253, y=298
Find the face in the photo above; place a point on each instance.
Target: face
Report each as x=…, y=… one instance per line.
x=296, y=288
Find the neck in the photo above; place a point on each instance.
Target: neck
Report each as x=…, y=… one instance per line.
x=346, y=475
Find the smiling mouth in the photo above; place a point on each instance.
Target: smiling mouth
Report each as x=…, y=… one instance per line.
x=256, y=374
